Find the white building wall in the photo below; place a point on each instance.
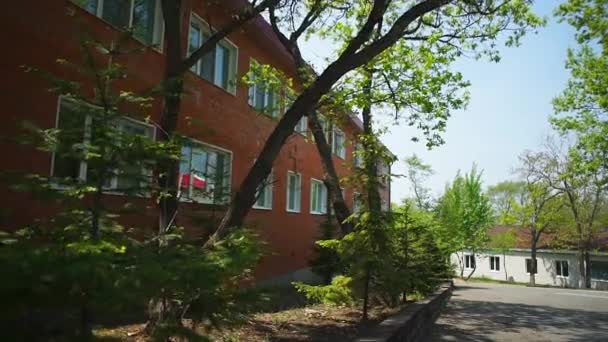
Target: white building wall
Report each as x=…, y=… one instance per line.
x=515, y=270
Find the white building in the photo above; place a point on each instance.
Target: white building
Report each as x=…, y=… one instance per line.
x=555, y=268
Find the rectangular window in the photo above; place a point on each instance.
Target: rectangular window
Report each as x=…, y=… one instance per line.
x=357, y=202
x=561, y=268
x=204, y=174
x=143, y=17
x=218, y=66
x=531, y=267
x=338, y=143
x=324, y=123
x=264, y=194
x=358, y=158
x=302, y=126
x=264, y=99
x=294, y=192
x=75, y=125
x=599, y=270
x=495, y=263
x=318, y=197
x=469, y=261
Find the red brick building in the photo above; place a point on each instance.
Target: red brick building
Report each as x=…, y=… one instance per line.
x=231, y=131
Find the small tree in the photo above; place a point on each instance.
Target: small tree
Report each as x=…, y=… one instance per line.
x=465, y=214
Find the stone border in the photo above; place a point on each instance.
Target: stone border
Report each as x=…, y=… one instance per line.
x=414, y=322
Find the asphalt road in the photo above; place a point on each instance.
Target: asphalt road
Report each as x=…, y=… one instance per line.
x=490, y=312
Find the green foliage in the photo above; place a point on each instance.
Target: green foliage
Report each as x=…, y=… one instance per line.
x=327, y=263
x=502, y=242
x=465, y=213
x=417, y=173
x=339, y=292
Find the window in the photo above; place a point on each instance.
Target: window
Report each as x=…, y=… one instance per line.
x=469, y=261
x=324, y=123
x=358, y=158
x=218, y=66
x=75, y=125
x=302, y=126
x=599, y=270
x=384, y=205
x=264, y=99
x=144, y=17
x=561, y=268
x=204, y=174
x=318, y=197
x=357, y=202
x=495, y=263
x=294, y=192
x=264, y=195
x=338, y=142
x=531, y=267
x=383, y=172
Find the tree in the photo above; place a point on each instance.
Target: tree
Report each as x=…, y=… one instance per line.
x=504, y=196
x=417, y=173
x=560, y=168
x=446, y=23
x=540, y=209
x=80, y=263
x=465, y=214
x=581, y=110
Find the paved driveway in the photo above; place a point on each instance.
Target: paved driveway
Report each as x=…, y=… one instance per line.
x=490, y=312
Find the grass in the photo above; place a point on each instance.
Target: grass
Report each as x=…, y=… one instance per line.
x=483, y=279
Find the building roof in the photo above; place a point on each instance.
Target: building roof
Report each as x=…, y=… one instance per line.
x=547, y=241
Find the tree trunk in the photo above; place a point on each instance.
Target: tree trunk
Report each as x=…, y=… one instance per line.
x=366, y=293
x=473, y=270
x=371, y=158
x=352, y=57
x=533, y=264
x=504, y=265
x=331, y=180
x=587, y=278
x=173, y=87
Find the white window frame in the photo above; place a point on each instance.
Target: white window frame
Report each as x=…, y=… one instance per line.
x=342, y=152
x=268, y=190
x=159, y=24
x=298, y=197
x=323, y=211
x=494, y=261
x=468, y=263
x=228, y=186
x=233, y=66
x=82, y=172
x=561, y=268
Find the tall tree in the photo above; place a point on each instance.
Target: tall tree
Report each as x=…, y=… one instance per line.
x=417, y=173
x=465, y=214
x=584, y=192
x=441, y=24
x=504, y=196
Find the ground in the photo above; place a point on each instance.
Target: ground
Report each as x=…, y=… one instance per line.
x=309, y=323
x=494, y=312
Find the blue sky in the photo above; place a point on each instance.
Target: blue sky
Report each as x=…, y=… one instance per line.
x=508, y=112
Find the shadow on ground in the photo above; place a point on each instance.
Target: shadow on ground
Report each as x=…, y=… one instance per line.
x=466, y=320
